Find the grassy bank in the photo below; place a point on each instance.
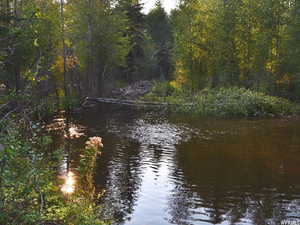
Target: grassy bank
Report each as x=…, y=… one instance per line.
x=222, y=102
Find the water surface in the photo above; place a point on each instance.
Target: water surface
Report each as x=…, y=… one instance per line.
x=160, y=169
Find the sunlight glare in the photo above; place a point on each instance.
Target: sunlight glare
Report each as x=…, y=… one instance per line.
x=69, y=185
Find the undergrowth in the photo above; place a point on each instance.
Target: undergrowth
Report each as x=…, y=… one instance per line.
x=222, y=102
x=29, y=186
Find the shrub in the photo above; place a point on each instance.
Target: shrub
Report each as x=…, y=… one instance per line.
x=163, y=89
x=228, y=102
x=29, y=189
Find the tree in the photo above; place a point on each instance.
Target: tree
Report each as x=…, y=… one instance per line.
x=237, y=43
x=136, y=35
x=96, y=40
x=159, y=28
x=29, y=30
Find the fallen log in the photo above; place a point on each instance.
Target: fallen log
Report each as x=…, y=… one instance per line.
x=91, y=102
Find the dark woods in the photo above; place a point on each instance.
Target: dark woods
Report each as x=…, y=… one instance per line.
x=87, y=47
x=80, y=48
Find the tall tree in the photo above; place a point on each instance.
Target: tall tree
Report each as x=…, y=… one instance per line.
x=30, y=35
x=96, y=40
x=159, y=27
x=237, y=43
x=136, y=35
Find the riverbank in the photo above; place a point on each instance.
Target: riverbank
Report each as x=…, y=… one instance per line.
x=222, y=102
x=30, y=190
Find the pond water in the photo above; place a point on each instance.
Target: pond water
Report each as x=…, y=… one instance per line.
x=160, y=169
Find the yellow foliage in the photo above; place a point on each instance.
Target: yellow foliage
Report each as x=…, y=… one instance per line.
x=180, y=76
x=72, y=62
x=284, y=80
x=242, y=77
x=270, y=66
x=58, y=68
x=175, y=84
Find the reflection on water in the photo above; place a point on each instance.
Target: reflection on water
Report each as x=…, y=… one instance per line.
x=69, y=183
x=69, y=137
x=159, y=170
x=73, y=132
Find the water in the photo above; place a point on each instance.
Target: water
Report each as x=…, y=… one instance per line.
x=158, y=169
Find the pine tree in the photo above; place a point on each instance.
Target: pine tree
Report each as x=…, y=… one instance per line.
x=159, y=29
x=136, y=35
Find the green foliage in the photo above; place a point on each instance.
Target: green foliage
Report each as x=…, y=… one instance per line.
x=26, y=173
x=163, y=89
x=80, y=211
x=95, y=36
x=250, y=44
x=29, y=41
x=135, y=32
x=29, y=188
x=223, y=102
x=158, y=25
x=107, y=40
x=159, y=29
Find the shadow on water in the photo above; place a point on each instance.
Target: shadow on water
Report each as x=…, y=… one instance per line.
x=158, y=169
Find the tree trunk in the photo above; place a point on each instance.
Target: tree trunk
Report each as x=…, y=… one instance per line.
x=92, y=78
x=64, y=47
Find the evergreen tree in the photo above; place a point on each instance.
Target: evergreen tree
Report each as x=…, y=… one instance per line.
x=136, y=35
x=159, y=29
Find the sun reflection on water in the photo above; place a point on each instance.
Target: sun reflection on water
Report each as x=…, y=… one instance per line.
x=69, y=185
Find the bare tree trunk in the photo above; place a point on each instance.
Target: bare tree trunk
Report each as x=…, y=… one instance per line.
x=7, y=7
x=89, y=56
x=92, y=79
x=64, y=47
x=15, y=7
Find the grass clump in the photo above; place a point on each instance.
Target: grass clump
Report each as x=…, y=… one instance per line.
x=225, y=102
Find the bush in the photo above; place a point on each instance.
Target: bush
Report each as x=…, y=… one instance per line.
x=29, y=189
x=227, y=102
x=163, y=89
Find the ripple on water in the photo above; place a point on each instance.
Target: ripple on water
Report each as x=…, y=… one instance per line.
x=162, y=171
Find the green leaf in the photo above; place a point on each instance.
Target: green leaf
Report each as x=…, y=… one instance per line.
x=35, y=43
